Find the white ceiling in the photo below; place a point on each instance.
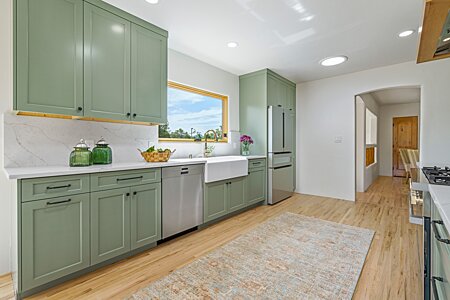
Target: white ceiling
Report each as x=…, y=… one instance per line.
x=397, y=95
x=276, y=34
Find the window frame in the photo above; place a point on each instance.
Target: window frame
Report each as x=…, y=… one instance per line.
x=223, y=98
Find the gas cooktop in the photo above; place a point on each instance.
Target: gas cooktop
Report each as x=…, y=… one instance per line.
x=437, y=175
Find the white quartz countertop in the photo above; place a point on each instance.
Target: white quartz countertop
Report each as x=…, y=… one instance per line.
x=47, y=171
x=441, y=198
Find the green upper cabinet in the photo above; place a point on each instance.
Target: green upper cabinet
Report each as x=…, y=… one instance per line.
x=49, y=56
x=280, y=92
x=257, y=91
x=55, y=239
x=148, y=75
x=291, y=97
x=107, y=64
x=87, y=58
x=145, y=214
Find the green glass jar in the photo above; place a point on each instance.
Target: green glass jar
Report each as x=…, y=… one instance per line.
x=81, y=156
x=102, y=153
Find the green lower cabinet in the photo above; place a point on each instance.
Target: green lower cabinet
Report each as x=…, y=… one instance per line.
x=237, y=194
x=110, y=224
x=440, y=256
x=55, y=239
x=215, y=200
x=145, y=215
x=224, y=197
x=256, y=186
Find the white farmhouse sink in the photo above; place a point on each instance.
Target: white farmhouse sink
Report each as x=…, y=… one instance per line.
x=225, y=167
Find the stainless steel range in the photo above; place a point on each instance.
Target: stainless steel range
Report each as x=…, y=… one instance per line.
x=437, y=175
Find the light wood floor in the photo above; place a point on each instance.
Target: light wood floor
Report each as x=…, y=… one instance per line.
x=392, y=269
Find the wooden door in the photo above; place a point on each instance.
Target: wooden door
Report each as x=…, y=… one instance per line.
x=405, y=135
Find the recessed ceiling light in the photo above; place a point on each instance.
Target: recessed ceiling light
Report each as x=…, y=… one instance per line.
x=406, y=33
x=446, y=40
x=232, y=44
x=420, y=29
x=152, y=1
x=333, y=61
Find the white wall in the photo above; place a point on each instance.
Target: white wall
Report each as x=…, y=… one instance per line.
x=365, y=175
x=6, y=186
x=334, y=98
x=387, y=113
x=360, y=144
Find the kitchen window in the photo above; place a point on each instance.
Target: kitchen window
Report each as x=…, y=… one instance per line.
x=371, y=138
x=191, y=112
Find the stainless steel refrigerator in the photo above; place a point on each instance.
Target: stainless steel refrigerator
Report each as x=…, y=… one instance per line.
x=281, y=125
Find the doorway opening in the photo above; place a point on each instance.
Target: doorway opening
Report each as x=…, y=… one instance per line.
x=387, y=135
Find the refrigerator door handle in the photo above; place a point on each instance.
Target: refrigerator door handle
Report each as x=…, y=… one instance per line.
x=282, y=167
x=284, y=133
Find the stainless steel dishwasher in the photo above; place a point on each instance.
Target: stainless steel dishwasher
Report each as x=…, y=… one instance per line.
x=182, y=199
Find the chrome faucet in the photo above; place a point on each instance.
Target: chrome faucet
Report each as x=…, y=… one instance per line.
x=205, y=151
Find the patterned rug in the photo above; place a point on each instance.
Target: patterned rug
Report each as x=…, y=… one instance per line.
x=288, y=257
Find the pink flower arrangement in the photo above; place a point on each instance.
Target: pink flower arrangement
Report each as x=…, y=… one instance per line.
x=246, y=139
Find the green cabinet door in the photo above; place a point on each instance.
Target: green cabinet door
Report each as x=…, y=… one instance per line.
x=215, y=200
x=49, y=56
x=291, y=97
x=110, y=224
x=256, y=186
x=106, y=64
x=145, y=214
x=273, y=98
x=236, y=194
x=55, y=239
x=148, y=75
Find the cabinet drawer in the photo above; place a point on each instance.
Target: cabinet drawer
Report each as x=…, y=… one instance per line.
x=114, y=180
x=256, y=163
x=50, y=187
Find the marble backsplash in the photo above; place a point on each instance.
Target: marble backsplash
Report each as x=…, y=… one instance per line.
x=36, y=141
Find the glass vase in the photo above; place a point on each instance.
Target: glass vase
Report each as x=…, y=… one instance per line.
x=245, y=149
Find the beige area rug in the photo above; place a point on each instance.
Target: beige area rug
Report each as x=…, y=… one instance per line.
x=288, y=257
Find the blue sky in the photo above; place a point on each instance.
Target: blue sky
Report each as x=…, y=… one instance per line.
x=188, y=110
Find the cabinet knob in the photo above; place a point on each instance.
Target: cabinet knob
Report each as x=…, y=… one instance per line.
x=135, y=193
x=128, y=194
x=80, y=108
x=134, y=115
x=128, y=114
